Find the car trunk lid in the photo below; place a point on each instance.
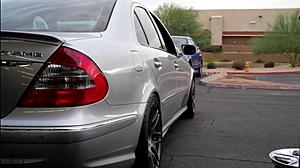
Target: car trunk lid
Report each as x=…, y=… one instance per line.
x=22, y=56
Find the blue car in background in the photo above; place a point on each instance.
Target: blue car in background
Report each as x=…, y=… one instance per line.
x=195, y=60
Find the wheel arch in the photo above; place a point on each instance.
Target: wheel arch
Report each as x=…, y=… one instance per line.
x=158, y=97
x=151, y=91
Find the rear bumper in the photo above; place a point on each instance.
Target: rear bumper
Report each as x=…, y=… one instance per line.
x=106, y=144
x=67, y=134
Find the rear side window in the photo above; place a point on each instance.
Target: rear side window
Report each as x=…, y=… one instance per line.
x=140, y=31
x=149, y=28
x=56, y=15
x=165, y=36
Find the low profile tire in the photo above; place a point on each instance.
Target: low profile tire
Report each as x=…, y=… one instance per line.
x=149, y=149
x=191, y=108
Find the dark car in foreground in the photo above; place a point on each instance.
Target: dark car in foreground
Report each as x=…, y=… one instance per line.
x=195, y=60
x=88, y=84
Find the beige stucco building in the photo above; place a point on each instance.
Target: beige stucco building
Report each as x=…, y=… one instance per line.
x=233, y=29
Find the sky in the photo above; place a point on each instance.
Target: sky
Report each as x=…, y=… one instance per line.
x=226, y=4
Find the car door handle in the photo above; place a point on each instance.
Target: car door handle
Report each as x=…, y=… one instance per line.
x=157, y=64
x=176, y=66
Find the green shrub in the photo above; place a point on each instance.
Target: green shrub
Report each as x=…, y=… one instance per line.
x=225, y=60
x=211, y=65
x=210, y=59
x=238, y=65
x=269, y=65
x=214, y=49
x=259, y=61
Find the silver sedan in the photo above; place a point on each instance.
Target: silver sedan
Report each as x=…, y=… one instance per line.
x=88, y=84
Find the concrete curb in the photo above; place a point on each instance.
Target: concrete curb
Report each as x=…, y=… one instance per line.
x=213, y=77
x=208, y=82
x=255, y=72
x=267, y=72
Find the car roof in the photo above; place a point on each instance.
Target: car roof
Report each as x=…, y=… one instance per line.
x=182, y=37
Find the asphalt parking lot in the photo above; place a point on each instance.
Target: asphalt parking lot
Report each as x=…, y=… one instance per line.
x=234, y=128
x=280, y=78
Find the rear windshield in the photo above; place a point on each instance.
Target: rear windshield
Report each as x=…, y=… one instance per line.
x=56, y=15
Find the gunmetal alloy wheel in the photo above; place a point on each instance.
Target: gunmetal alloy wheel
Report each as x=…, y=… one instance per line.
x=193, y=98
x=149, y=149
x=154, y=139
x=191, y=107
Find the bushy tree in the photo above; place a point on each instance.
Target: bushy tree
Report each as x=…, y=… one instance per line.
x=283, y=37
x=203, y=39
x=183, y=22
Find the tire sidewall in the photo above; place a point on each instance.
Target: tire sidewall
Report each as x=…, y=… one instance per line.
x=142, y=147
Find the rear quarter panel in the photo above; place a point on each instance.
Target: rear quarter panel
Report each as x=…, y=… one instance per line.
x=115, y=53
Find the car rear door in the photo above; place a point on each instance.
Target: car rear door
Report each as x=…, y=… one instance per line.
x=182, y=68
x=160, y=61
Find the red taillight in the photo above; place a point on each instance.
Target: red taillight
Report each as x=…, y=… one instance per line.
x=69, y=79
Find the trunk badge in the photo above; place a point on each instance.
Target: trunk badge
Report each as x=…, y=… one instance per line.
x=20, y=54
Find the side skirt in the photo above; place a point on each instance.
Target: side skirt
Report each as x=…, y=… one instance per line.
x=173, y=119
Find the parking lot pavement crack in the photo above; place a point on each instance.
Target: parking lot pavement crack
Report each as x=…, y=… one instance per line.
x=218, y=158
x=170, y=160
x=212, y=122
x=256, y=110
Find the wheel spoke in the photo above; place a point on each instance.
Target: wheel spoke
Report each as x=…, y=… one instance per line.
x=155, y=117
x=155, y=157
x=150, y=159
x=154, y=138
x=155, y=122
